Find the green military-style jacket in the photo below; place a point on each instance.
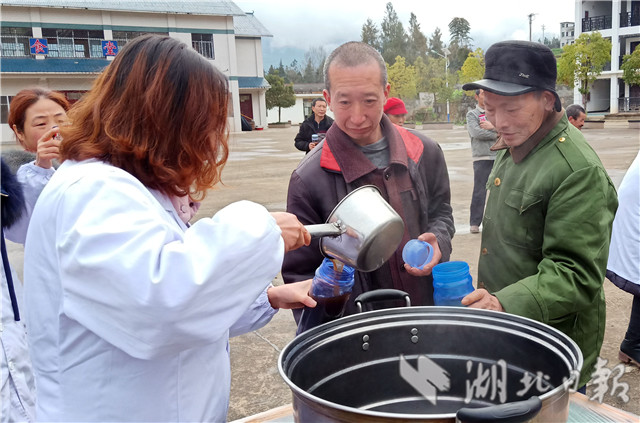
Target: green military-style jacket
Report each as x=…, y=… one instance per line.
x=545, y=239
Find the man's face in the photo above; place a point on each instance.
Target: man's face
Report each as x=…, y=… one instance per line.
x=480, y=99
x=357, y=100
x=516, y=118
x=320, y=109
x=397, y=119
x=579, y=121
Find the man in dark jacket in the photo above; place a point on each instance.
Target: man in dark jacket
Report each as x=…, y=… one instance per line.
x=363, y=147
x=317, y=123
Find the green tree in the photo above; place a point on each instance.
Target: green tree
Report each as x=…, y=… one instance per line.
x=280, y=94
x=435, y=43
x=472, y=69
x=293, y=72
x=421, y=70
x=631, y=67
x=282, y=71
x=370, y=34
x=417, y=46
x=314, y=63
x=459, y=29
x=582, y=62
x=402, y=79
x=393, y=37
x=458, y=54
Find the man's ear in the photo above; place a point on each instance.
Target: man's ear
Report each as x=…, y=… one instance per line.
x=327, y=97
x=549, y=100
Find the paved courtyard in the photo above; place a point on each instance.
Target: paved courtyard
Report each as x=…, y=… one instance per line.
x=259, y=168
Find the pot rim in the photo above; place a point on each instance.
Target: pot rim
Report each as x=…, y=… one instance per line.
x=347, y=324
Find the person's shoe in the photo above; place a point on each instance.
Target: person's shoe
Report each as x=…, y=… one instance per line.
x=629, y=353
x=474, y=229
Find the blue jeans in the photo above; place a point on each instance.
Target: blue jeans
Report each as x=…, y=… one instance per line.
x=481, y=171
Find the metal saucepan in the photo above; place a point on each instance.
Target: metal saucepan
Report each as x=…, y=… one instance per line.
x=362, y=231
x=431, y=364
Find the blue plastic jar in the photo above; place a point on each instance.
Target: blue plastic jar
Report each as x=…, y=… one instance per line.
x=451, y=283
x=331, y=289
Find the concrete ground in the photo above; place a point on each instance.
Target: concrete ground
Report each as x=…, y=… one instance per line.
x=259, y=168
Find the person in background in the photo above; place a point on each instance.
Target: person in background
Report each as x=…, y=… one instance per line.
x=623, y=267
x=35, y=116
x=547, y=224
x=576, y=115
x=317, y=123
x=363, y=147
x=17, y=388
x=395, y=110
x=483, y=136
x=129, y=309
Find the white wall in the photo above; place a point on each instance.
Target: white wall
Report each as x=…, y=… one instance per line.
x=249, y=53
x=295, y=113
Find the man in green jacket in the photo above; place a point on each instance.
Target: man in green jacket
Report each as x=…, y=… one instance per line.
x=547, y=224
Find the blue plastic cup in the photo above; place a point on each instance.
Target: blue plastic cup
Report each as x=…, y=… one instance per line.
x=417, y=253
x=451, y=283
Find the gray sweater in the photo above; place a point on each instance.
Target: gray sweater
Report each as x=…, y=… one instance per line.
x=481, y=139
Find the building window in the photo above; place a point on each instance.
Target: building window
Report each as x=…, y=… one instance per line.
x=203, y=44
x=78, y=43
x=14, y=42
x=123, y=37
x=5, y=100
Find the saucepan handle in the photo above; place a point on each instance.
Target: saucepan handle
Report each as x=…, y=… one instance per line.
x=381, y=295
x=325, y=229
x=512, y=412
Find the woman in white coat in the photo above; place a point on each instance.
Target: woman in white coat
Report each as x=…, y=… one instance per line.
x=623, y=267
x=129, y=309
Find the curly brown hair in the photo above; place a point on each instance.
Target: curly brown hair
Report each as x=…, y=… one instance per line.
x=158, y=111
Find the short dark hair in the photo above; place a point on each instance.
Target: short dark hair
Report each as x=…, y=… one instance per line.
x=315, y=100
x=575, y=110
x=478, y=91
x=352, y=54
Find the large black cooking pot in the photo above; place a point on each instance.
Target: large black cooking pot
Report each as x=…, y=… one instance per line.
x=431, y=364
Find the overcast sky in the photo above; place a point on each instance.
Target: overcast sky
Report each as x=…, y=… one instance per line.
x=297, y=25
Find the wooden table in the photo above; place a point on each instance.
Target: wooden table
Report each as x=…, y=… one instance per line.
x=581, y=410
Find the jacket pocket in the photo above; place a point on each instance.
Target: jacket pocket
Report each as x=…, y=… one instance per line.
x=524, y=220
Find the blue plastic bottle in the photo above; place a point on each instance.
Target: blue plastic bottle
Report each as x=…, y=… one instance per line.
x=331, y=288
x=451, y=283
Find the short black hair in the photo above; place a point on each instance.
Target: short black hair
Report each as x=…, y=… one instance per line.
x=574, y=111
x=315, y=100
x=352, y=54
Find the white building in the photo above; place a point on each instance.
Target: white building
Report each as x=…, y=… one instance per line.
x=567, y=33
x=296, y=114
x=75, y=30
x=618, y=20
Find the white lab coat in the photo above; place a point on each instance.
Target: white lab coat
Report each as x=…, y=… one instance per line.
x=128, y=310
x=33, y=180
x=17, y=390
x=624, y=250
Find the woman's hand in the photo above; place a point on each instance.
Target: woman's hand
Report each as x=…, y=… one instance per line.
x=291, y=295
x=480, y=298
x=437, y=255
x=48, y=148
x=294, y=234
